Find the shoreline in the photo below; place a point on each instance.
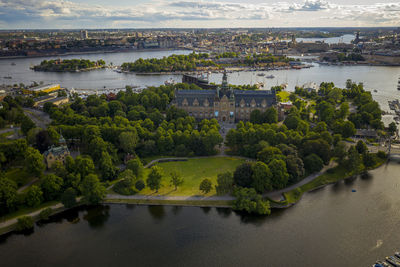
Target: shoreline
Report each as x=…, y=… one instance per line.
x=9, y=225
x=94, y=52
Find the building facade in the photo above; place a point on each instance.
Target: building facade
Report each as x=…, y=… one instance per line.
x=56, y=153
x=223, y=103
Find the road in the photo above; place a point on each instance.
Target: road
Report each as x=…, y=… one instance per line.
x=40, y=118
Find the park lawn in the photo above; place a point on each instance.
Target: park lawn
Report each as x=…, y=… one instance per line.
x=284, y=95
x=193, y=172
x=19, y=175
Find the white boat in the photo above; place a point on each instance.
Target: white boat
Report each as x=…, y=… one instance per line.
x=270, y=76
x=170, y=82
x=260, y=74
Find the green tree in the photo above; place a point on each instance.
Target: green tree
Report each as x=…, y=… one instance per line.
x=354, y=162
x=340, y=152
x=176, y=179
x=45, y=214
x=34, y=196
x=224, y=183
x=82, y=164
x=68, y=198
x=243, y=175
x=205, y=186
x=136, y=166
x=248, y=200
x=106, y=167
x=279, y=173
x=24, y=223
x=361, y=147
x=313, y=163
x=51, y=187
x=295, y=168
x=128, y=141
x=261, y=177
x=34, y=162
x=154, y=178
x=92, y=190
x=8, y=195
x=392, y=128
x=139, y=185
x=269, y=153
x=26, y=125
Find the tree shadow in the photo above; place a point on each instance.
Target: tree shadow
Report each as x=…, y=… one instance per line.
x=97, y=216
x=157, y=212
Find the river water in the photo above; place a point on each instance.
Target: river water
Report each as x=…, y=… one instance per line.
x=332, y=226
x=382, y=79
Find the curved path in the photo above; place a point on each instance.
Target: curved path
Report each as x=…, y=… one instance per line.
x=277, y=195
x=151, y=163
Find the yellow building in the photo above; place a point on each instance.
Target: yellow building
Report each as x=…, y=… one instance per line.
x=44, y=88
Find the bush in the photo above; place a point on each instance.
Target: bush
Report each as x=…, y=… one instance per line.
x=139, y=185
x=44, y=214
x=24, y=223
x=124, y=187
x=381, y=155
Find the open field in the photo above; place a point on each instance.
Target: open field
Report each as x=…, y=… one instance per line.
x=193, y=172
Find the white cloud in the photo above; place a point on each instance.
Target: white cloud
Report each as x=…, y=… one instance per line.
x=185, y=13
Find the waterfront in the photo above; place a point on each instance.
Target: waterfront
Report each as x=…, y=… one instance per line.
x=383, y=79
x=332, y=226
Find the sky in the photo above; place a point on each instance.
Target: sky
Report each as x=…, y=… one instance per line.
x=92, y=14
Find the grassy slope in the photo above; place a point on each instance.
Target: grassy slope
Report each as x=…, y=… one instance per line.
x=193, y=172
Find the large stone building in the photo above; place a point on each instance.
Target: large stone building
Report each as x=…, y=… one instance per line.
x=224, y=103
x=56, y=153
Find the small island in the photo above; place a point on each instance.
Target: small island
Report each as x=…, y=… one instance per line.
x=204, y=61
x=69, y=65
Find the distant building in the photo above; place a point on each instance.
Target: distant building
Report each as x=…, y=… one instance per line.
x=51, y=99
x=223, y=103
x=44, y=88
x=311, y=87
x=54, y=154
x=84, y=34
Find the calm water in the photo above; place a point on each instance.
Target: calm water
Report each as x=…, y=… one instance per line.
x=383, y=79
x=329, y=227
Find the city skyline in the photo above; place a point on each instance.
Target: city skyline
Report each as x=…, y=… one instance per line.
x=74, y=14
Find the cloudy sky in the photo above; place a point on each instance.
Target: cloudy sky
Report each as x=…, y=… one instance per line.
x=45, y=14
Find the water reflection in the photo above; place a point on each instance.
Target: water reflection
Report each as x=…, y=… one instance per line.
x=176, y=210
x=224, y=212
x=157, y=212
x=130, y=206
x=206, y=210
x=97, y=216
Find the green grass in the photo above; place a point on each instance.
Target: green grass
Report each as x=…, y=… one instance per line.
x=26, y=210
x=284, y=95
x=20, y=176
x=193, y=172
